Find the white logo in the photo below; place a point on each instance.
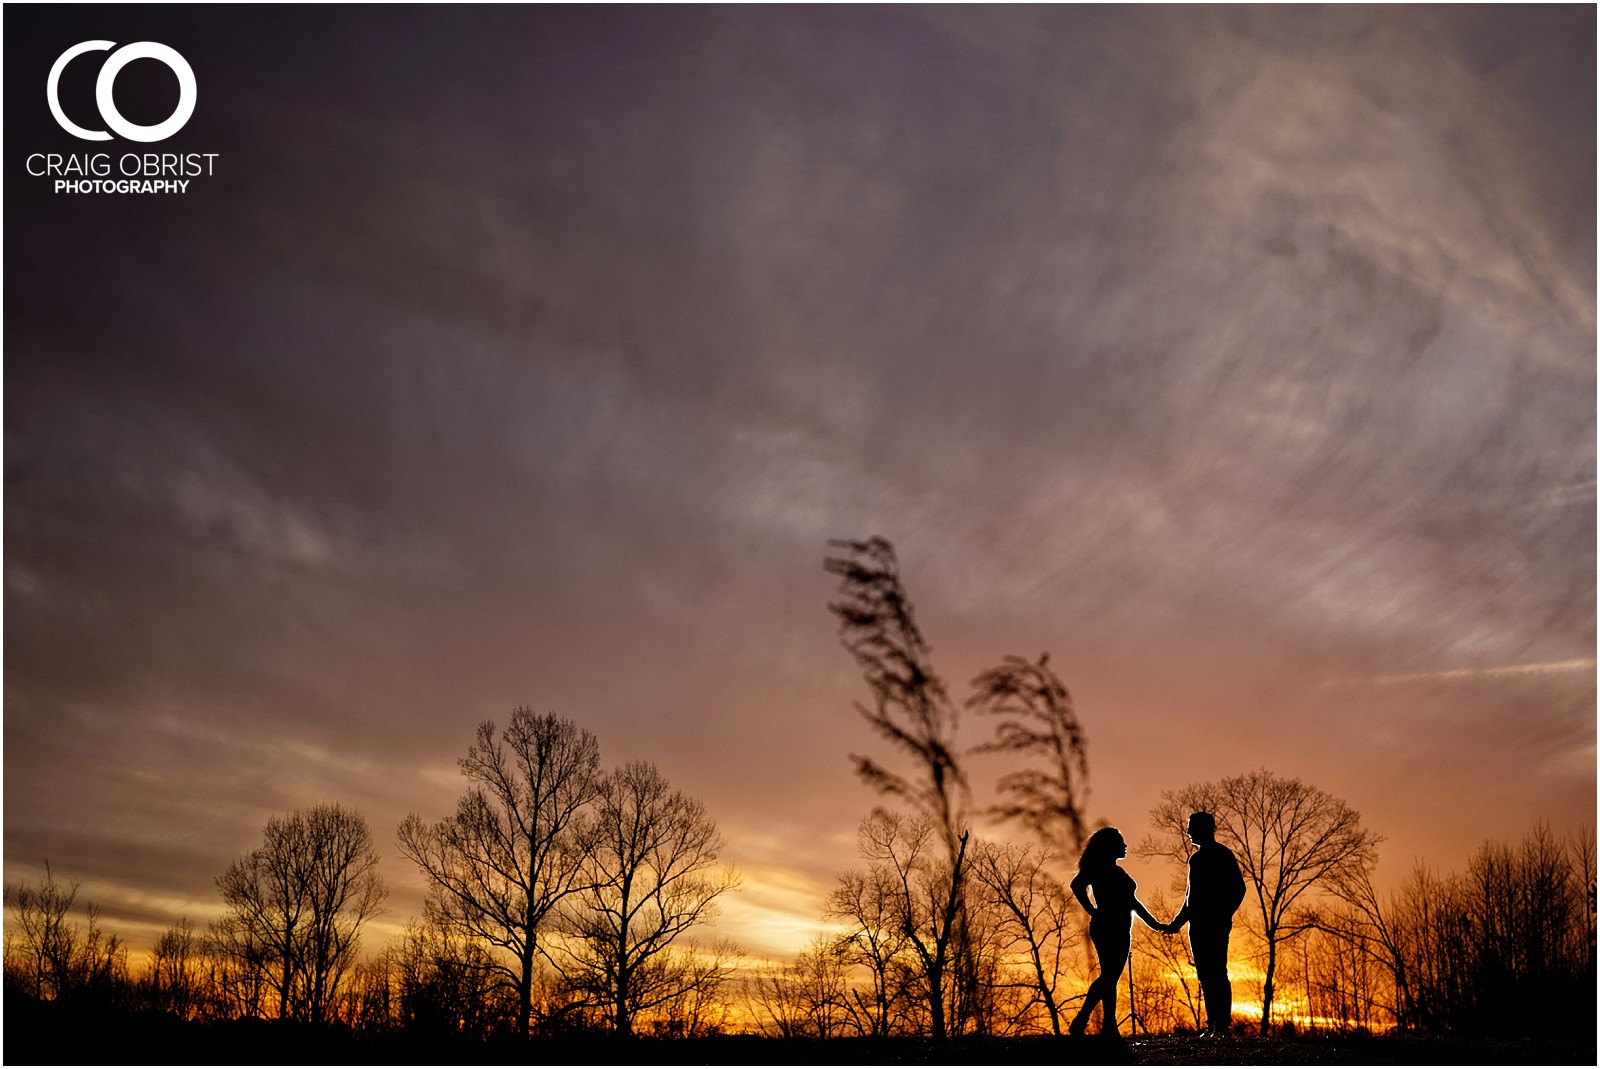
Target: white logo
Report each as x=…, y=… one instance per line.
x=108, y=75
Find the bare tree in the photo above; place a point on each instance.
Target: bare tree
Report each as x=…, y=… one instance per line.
x=173, y=980
x=445, y=984
x=868, y=900
x=51, y=956
x=701, y=1006
x=300, y=901
x=1504, y=948
x=925, y=902
x=650, y=875
x=1346, y=971
x=808, y=998
x=42, y=942
x=1291, y=839
x=1364, y=921
x=1035, y=917
x=1037, y=721
x=1529, y=920
x=367, y=999
x=237, y=964
x=512, y=851
x=1581, y=852
x=102, y=967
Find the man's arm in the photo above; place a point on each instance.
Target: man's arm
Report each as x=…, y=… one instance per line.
x=1183, y=913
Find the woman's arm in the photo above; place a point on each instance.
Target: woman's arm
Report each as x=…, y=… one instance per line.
x=1144, y=915
x=1080, y=888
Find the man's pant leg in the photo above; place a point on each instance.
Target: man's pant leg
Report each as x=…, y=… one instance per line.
x=1209, y=944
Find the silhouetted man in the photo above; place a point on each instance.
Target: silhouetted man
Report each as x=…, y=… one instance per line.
x=1215, y=890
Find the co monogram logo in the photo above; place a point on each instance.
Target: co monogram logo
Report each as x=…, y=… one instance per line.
x=108, y=76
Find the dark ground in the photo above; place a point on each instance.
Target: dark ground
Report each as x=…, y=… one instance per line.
x=1358, y=1050
x=48, y=1038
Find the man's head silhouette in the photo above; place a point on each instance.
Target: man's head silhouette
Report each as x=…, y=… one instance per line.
x=1202, y=828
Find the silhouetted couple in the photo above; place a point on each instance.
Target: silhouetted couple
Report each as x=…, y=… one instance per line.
x=1215, y=890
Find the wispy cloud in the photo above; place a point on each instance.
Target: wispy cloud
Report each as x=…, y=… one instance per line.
x=1562, y=496
x=1455, y=675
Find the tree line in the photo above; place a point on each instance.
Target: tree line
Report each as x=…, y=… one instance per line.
x=1504, y=947
x=557, y=898
x=562, y=897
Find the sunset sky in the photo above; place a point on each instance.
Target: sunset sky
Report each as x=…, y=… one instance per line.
x=1241, y=359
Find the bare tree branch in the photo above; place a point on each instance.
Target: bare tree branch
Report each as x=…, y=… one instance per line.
x=513, y=849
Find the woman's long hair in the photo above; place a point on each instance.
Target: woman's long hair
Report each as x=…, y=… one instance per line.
x=1100, y=850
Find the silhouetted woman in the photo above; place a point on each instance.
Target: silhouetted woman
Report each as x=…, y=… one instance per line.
x=1110, y=921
